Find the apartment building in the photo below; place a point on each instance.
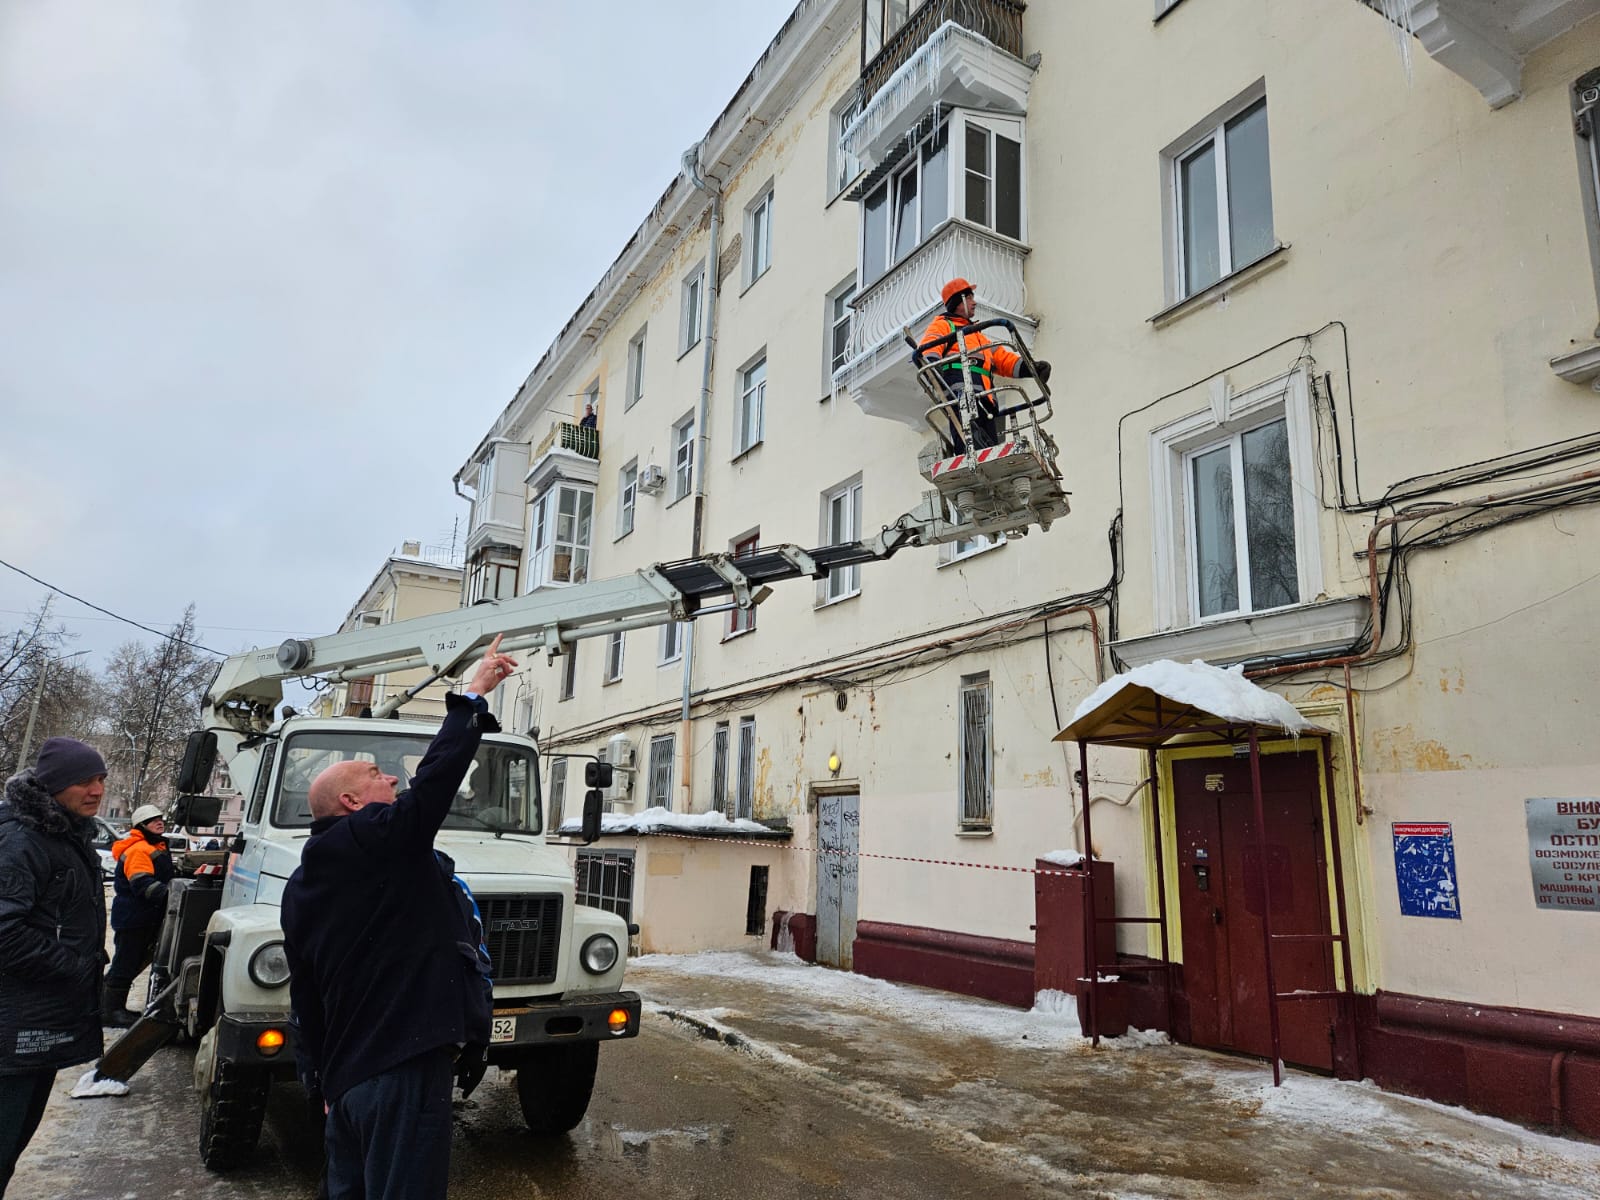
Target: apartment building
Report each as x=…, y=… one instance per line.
x=1319, y=282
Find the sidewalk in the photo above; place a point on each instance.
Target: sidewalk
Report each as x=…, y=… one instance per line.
x=1138, y=1118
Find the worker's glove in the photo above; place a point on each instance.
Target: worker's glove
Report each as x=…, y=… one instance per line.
x=154, y=891
x=1041, y=370
x=471, y=1064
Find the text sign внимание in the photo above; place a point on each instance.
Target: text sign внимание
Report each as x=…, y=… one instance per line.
x=1564, y=853
x=1425, y=869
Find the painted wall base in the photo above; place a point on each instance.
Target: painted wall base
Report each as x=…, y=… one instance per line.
x=990, y=968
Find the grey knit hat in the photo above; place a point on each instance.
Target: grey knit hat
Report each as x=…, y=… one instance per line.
x=64, y=761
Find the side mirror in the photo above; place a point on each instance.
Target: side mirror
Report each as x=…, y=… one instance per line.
x=199, y=757
x=191, y=812
x=592, y=802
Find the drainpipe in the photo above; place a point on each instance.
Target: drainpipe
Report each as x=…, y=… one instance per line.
x=692, y=165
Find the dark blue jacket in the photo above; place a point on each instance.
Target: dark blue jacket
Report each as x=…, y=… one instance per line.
x=382, y=963
x=141, y=901
x=52, y=932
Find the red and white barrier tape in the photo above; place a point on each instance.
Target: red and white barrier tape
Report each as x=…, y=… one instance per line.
x=932, y=862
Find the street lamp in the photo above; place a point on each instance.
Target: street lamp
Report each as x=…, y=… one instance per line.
x=33, y=711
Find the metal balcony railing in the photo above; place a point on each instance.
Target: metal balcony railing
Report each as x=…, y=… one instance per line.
x=1000, y=21
x=569, y=435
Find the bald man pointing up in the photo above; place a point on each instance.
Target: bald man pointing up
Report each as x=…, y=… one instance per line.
x=384, y=979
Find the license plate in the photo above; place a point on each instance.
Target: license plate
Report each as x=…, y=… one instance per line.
x=503, y=1029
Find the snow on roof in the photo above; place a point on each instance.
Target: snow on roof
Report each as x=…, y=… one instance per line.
x=1222, y=693
x=662, y=820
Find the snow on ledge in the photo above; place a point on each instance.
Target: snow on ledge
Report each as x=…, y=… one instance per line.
x=1223, y=693
x=662, y=820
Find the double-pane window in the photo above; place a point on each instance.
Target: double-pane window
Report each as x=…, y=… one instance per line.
x=628, y=489
x=839, y=316
x=672, y=634
x=682, y=458
x=759, y=228
x=1241, y=523
x=841, y=522
x=752, y=405
x=558, y=793
x=633, y=391
x=563, y=527
x=693, y=310
x=614, y=646
x=569, y=672
x=742, y=620
x=1224, y=192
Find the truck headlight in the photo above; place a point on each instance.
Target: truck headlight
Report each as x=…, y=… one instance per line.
x=269, y=966
x=599, y=954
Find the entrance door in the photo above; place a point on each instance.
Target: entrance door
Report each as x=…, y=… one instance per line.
x=838, y=822
x=1220, y=872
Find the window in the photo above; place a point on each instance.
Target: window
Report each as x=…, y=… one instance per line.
x=758, y=238
x=492, y=581
x=1236, y=506
x=842, y=166
x=1222, y=189
x=661, y=771
x=743, y=620
x=839, y=315
x=880, y=21
x=633, y=389
x=614, y=656
x=563, y=526
x=591, y=400
x=950, y=552
x=719, y=768
x=752, y=406
x=604, y=879
x=558, y=793
x=968, y=166
x=683, y=457
x=976, y=715
x=1585, y=108
x=628, y=490
x=672, y=635
x=693, y=310
x=745, y=800
x=569, y=672
x=841, y=522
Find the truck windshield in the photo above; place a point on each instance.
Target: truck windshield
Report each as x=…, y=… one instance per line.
x=500, y=793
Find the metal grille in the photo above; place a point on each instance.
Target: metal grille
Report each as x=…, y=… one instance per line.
x=523, y=934
x=604, y=879
x=719, y=768
x=661, y=771
x=977, y=762
x=747, y=767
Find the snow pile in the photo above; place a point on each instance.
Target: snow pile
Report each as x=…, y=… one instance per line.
x=88, y=1086
x=1063, y=858
x=663, y=820
x=1223, y=693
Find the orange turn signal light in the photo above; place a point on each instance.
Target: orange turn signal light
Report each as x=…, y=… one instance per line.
x=617, y=1021
x=269, y=1041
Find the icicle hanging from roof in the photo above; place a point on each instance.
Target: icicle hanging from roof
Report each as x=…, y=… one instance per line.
x=920, y=72
x=1398, y=14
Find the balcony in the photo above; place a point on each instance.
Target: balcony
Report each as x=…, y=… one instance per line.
x=569, y=435
x=996, y=21
x=877, y=375
x=569, y=452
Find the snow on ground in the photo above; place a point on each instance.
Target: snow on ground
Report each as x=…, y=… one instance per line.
x=1223, y=693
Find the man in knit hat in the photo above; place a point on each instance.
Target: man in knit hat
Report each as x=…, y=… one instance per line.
x=52, y=933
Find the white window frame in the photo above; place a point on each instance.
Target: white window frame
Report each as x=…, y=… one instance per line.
x=843, y=168
x=616, y=648
x=658, y=776
x=682, y=457
x=758, y=236
x=1171, y=448
x=1210, y=132
x=627, y=497
x=975, y=689
x=569, y=673
x=558, y=795
x=841, y=583
x=633, y=385
x=670, y=646
x=965, y=548
x=744, y=798
x=544, y=546
x=743, y=620
x=691, y=310
x=1586, y=129
x=749, y=417
x=837, y=318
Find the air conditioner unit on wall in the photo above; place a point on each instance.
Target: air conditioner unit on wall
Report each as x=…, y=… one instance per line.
x=619, y=751
x=621, y=789
x=651, y=479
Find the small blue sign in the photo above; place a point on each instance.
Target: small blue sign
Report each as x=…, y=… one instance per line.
x=1425, y=870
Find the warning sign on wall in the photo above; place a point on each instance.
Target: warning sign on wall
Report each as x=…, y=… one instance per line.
x=1425, y=869
x=1564, y=853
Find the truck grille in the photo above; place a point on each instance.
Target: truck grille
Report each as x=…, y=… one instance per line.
x=523, y=934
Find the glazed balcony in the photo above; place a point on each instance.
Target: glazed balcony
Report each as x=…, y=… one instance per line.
x=996, y=21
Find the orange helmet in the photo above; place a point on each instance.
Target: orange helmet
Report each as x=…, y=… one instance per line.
x=954, y=288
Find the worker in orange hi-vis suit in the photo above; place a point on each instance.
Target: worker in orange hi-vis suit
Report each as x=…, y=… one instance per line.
x=960, y=303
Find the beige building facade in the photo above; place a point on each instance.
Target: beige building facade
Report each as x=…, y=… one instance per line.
x=1319, y=285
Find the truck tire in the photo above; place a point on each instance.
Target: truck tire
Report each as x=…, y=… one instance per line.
x=554, y=1084
x=231, y=1112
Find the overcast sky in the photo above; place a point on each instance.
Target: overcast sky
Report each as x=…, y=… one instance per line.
x=268, y=271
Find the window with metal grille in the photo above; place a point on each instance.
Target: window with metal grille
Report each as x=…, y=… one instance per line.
x=661, y=771
x=719, y=768
x=747, y=768
x=977, y=752
x=604, y=879
x=558, y=793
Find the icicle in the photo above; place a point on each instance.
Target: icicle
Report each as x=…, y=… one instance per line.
x=1398, y=14
x=918, y=73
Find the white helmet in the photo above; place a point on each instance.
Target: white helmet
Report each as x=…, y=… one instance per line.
x=145, y=812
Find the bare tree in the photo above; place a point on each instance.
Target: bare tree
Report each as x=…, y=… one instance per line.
x=39, y=683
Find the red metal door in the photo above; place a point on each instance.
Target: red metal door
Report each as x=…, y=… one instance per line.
x=1220, y=873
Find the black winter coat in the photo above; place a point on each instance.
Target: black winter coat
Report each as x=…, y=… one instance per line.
x=383, y=964
x=52, y=932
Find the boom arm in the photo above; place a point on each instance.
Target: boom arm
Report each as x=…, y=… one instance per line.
x=247, y=688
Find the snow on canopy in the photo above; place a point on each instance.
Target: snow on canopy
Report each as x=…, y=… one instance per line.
x=662, y=820
x=1123, y=706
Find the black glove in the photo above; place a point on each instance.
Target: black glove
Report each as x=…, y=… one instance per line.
x=471, y=1064
x=155, y=891
x=1041, y=370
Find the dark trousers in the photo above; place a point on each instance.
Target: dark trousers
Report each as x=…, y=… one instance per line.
x=388, y=1138
x=22, y=1101
x=135, y=949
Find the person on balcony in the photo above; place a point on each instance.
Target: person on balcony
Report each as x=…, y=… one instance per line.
x=985, y=360
x=588, y=421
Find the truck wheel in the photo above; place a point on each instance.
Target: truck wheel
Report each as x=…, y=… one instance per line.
x=231, y=1112
x=554, y=1084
